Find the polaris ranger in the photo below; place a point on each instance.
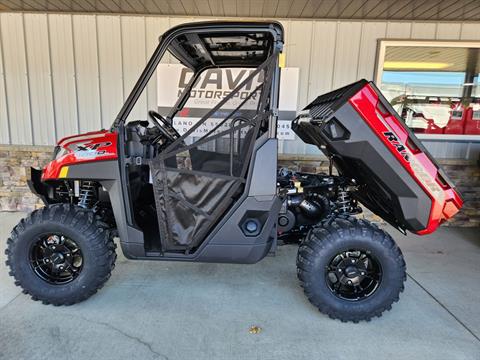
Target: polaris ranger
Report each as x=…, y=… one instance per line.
x=217, y=197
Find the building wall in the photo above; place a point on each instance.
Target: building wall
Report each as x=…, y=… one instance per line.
x=62, y=74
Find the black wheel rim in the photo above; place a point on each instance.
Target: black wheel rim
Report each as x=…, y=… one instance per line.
x=353, y=275
x=56, y=259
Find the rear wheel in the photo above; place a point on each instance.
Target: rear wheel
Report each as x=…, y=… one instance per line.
x=61, y=254
x=350, y=269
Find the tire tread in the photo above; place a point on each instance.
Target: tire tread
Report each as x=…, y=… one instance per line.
x=83, y=220
x=327, y=232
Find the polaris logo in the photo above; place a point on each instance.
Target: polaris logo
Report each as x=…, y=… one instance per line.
x=392, y=138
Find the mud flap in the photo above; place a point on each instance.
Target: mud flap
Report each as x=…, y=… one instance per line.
x=36, y=186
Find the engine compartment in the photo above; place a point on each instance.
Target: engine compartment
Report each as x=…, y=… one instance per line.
x=310, y=198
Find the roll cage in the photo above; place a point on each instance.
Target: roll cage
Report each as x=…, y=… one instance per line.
x=195, y=47
x=188, y=224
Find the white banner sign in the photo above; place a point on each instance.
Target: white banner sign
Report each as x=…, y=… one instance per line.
x=212, y=87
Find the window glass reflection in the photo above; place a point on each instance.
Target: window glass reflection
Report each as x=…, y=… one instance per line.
x=435, y=89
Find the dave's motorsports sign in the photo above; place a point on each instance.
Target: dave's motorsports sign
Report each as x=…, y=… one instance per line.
x=213, y=86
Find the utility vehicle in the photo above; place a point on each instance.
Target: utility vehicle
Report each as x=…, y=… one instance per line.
x=217, y=197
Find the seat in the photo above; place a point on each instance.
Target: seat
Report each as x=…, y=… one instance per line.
x=219, y=163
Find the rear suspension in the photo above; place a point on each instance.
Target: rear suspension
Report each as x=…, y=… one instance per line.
x=345, y=204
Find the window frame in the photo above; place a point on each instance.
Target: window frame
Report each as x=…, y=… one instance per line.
x=382, y=44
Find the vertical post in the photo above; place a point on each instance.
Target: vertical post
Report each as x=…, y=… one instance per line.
x=470, y=74
x=274, y=95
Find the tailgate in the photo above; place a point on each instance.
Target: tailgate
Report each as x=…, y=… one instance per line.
x=369, y=142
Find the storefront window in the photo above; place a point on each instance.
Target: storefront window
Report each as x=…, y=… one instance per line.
x=433, y=85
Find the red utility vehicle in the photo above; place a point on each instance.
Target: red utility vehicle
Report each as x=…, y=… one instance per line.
x=218, y=197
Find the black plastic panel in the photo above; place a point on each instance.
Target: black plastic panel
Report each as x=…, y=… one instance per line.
x=386, y=187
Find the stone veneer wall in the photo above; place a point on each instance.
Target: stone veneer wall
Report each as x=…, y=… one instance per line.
x=15, y=160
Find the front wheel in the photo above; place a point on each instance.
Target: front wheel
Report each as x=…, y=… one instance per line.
x=61, y=254
x=350, y=269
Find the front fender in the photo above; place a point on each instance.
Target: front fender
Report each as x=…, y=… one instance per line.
x=107, y=174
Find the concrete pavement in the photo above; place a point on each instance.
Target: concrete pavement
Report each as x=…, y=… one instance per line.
x=155, y=310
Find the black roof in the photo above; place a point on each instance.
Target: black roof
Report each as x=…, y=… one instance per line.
x=223, y=43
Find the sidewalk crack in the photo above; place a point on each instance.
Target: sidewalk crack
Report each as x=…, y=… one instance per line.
x=445, y=308
x=11, y=301
x=121, y=332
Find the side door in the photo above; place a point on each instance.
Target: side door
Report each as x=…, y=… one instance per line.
x=199, y=177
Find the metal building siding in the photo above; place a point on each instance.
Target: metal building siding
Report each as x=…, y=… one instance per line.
x=423, y=31
x=86, y=70
x=470, y=31
x=110, y=67
x=297, y=52
x=16, y=78
x=155, y=26
x=40, y=79
x=347, y=52
x=4, y=130
x=322, y=58
x=399, y=30
x=63, y=74
x=321, y=70
x=134, y=59
x=371, y=32
x=447, y=31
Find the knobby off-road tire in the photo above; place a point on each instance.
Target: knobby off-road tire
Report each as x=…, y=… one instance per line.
x=320, y=248
x=89, y=233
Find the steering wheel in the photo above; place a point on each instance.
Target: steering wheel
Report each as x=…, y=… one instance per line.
x=164, y=126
